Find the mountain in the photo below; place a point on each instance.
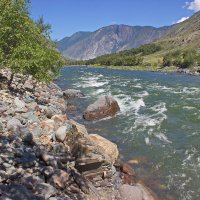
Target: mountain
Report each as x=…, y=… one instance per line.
x=178, y=46
x=106, y=40
x=183, y=35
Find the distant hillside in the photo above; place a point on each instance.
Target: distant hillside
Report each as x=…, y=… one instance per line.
x=182, y=36
x=110, y=39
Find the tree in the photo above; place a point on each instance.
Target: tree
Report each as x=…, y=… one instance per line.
x=23, y=47
x=45, y=29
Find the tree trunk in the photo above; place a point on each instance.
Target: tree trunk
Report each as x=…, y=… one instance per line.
x=11, y=79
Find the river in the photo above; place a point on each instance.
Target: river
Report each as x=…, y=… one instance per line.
x=158, y=128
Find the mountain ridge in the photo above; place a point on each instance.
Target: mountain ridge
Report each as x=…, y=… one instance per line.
x=108, y=39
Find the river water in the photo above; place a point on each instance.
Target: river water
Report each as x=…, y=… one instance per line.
x=158, y=128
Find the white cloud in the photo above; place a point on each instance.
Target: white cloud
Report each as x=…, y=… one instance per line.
x=182, y=19
x=194, y=5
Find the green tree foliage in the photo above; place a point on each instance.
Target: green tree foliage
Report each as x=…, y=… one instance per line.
x=132, y=57
x=181, y=59
x=45, y=29
x=143, y=50
x=23, y=46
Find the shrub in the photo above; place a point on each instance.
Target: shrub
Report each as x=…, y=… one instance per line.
x=24, y=49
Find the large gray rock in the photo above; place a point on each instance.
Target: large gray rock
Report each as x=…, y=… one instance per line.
x=105, y=106
x=71, y=93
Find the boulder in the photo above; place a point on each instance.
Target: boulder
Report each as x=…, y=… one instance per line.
x=107, y=146
x=71, y=93
x=136, y=192
x=105, y=106
x=128, y=192
x=79, y=127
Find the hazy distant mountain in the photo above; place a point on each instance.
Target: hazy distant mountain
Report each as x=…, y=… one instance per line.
x=106, y=40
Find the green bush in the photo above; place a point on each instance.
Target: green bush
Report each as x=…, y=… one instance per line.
x=24, y=48
x=181, y=59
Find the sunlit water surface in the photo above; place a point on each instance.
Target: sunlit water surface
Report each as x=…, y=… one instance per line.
x=158, y=128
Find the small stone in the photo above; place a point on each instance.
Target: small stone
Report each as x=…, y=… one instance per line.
x=32, y=106
x=27, y=160
x=14, y=125
x=61, y=133
x=48, y=125
x=45, y=190
x=49, y=159
x=59, y=179
x=36, y=131
x=59, y=118
x=48, y=171
x=7, y=165
x=19, y=103
x=3, y=176
x=30, y=181
x=1, y=126
x=31, y=117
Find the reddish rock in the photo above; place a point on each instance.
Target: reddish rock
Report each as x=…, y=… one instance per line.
x=127, y=179
x=127, y=169
x=105, y=106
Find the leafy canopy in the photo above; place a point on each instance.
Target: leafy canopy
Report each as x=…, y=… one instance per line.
x=25, y=46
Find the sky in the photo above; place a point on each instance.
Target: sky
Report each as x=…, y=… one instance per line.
x=70, y=16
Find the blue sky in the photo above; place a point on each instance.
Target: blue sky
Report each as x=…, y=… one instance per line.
x=70, y=16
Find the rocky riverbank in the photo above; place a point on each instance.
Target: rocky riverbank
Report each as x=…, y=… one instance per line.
x=46, y=155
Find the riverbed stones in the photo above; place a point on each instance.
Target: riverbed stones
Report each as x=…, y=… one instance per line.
x=39, y=162
x=107, y=146
x=105, y=106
